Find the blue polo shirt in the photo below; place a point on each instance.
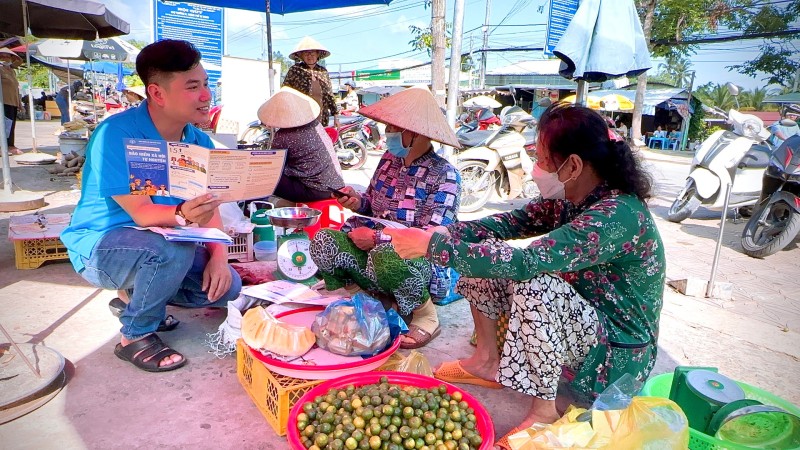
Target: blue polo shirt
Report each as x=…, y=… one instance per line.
x=105, y=174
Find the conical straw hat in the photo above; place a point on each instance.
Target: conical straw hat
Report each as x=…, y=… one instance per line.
x=138, y=90
x=309, y=43
x=415, y=110
x=288, y=108
x=17, y=60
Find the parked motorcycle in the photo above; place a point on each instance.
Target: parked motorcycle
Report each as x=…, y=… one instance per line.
x=737, y=157
x=498, y=163
x=776, y=219
x=351, y=152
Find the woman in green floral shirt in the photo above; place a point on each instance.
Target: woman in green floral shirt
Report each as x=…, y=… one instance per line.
x=585, y=297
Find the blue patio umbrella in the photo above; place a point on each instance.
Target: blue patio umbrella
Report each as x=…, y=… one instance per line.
x=604, y=40
x=285, y=7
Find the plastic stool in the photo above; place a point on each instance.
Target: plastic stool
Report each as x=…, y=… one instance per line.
x=332, y=216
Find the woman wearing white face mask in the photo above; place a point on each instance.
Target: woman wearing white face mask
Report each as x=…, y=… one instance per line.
x=586, y=297
x=412, y=186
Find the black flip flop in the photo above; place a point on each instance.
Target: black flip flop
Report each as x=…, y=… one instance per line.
x=116, y=305
x=147, y=353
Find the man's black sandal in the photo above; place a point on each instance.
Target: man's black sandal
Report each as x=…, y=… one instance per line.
x=147, y=353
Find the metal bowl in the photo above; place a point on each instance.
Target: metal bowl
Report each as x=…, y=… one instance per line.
x=296, y=217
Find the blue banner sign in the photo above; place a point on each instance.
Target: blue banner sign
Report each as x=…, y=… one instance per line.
x=561, y=14
x=203, y=26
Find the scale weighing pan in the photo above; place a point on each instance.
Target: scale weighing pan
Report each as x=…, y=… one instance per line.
x=293, y=217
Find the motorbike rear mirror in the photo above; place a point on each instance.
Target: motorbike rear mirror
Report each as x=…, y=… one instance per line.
x=732, y=88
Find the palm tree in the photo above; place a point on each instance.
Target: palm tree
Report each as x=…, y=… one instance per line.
x=715, y=95
x=675, y=70
x=752, y=99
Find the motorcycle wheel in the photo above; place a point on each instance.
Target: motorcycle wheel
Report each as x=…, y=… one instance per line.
x=685, y=204
x=771, y=228
x=473, y=197
x=352, y=155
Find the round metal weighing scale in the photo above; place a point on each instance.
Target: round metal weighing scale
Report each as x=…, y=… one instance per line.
x=30, y=376
x=294, y=259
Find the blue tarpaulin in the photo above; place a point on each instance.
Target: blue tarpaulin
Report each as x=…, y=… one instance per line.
x=105, y=67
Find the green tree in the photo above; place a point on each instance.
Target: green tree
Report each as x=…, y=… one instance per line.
x=752, y=100
x=423, y=39
x=715, y=94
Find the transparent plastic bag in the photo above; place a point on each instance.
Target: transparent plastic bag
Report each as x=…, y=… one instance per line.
x=416, y=363
x=353, y=327
x=617, y=420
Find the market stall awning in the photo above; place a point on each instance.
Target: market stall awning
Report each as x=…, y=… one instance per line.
x=792, y=97
x=72, y=19
x=653, y=98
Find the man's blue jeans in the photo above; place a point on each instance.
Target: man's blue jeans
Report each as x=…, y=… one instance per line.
x=63, y=108
x=155, y=272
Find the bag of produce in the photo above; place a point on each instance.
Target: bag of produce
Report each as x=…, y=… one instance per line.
x=353, y=327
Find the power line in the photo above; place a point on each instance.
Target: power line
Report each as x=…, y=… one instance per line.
x=740, y=37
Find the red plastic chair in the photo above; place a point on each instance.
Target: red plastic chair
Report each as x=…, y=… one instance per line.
x=332, y=216
x=333, y=134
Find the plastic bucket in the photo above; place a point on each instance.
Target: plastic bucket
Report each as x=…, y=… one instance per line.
x=265, y=250
x=77, y=145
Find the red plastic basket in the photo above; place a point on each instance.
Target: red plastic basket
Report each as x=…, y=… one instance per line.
x=483, y=423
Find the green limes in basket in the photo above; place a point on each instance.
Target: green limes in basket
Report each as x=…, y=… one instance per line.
x=390, y=416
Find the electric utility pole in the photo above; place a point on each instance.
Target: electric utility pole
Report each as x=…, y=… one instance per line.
x=485, y=43
x=437, y=54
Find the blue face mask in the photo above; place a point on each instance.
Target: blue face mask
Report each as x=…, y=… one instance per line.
x=394, y=144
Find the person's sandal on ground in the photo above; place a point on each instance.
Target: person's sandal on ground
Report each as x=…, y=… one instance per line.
x=424, y=327
x=117, y=305
x=453, y=372
x=147, y=354
x=14, y=151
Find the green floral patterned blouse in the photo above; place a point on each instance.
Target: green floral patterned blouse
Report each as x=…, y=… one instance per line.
x=608, y=248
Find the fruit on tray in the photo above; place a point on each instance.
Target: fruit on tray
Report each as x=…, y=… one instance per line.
x=388, y=416
x=260, y=330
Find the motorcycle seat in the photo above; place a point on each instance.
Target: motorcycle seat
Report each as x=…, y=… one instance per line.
x=755, y=158
x=346, y=120
x=474, y=138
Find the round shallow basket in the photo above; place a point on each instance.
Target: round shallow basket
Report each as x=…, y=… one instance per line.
x=660, y=385
x=483, y=423
x=319, y=364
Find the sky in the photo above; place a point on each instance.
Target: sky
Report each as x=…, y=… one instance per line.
x=359, y=37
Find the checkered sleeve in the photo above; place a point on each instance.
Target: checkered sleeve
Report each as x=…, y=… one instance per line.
x=444, y=197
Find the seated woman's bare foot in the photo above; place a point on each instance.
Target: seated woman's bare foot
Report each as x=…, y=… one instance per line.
x=14, y=151
x=167, y=361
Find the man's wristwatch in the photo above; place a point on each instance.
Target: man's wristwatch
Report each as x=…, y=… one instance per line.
x=180, y=217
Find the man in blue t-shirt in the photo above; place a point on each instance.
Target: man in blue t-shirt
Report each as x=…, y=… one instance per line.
x=103, y=247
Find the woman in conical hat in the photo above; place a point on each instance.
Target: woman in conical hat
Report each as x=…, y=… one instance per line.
x=311, y=168
x=308, y=77
x=413, y=186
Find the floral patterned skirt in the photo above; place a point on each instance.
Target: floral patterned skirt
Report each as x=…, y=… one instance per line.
x=551, y=327
x=379, y=270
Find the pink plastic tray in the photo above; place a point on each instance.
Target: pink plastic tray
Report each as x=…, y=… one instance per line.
x=483, y=423
x=319, y=364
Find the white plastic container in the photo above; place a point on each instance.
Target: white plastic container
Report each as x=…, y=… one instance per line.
x=266, y=250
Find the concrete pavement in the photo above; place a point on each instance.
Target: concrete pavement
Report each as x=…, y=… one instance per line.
x=109, y=404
